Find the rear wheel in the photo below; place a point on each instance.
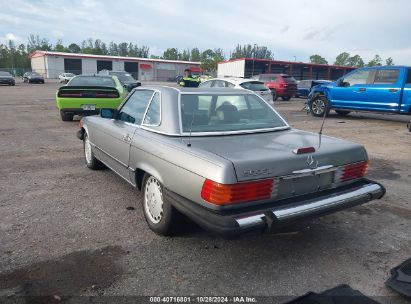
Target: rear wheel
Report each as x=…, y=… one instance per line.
x=286, y=98
x=319, y=106
x=91, y=161
x=275, y=95
x=161, y=216
x=342, y=112
x=66, y=116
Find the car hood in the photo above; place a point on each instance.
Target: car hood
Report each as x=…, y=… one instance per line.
x=271, y=154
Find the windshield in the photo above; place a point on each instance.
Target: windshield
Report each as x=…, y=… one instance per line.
x=268, y=77
x=223, y=113
x=5, y=74
x=254, y=86
x=124, y=77
x=35, y=74
x=92, y=81
x=289, y=79
x=70, y=75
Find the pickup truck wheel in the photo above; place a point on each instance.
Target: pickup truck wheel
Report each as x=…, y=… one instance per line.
x=91, y=161
x=66, y=116
x=161, y=216
x=286, y=98
x=275, y=95
x=319, y=106
x=342, y=112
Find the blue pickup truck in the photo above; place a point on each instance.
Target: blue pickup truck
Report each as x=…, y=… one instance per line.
x=385, y=89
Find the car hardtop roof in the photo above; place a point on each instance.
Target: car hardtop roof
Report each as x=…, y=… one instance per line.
x=388, y=67
x=183, y=90
x=236, y=80
x=95, y=75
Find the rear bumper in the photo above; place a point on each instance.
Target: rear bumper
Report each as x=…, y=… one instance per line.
x=280, y=213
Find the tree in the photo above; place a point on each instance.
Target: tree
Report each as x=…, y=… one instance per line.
x=210, y=59
x=37, y=43
x=342, y=59
x=74, y=48
x=59, y=47
x=355, y=61
x=251, y=51
x=195, y=54
x=171, y=54
x=376, y=61
x=389, y=61
x=318, y=59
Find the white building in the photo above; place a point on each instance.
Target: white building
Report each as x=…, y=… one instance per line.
x=52, y=64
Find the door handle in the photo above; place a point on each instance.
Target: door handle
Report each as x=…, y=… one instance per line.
x=127, y=138
x=362, y=89
x=393, y=90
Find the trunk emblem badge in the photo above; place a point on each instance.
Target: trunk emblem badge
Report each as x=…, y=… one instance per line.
x=311, y=162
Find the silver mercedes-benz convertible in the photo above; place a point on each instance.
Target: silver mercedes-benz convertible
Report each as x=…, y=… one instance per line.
x=225, y=159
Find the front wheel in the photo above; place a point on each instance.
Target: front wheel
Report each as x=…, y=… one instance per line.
x=161, y=216
x=286, y=98
x=319, y=106
x=342, y=112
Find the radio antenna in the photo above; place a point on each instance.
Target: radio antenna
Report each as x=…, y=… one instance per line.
x=191, y=127
x=321, y=129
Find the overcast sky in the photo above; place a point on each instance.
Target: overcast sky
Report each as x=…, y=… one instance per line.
x=289, y=28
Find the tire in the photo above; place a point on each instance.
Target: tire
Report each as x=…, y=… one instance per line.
x=91, y=161
x=160, y=215
x=286, y=98
x=275, y=95
x=66, y=116
x=342, y=112
x=319, y=106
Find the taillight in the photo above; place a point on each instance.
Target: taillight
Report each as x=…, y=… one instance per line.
x=351, y=172
x=106, y=95
x=64, y=94
x=225, y=194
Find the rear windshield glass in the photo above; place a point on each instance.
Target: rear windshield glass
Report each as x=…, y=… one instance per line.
x=254, y=86
x=5, y=74
x=289, y=79
x=268, y=77
x=223, y=113
x=123, y=76
x=92, y=81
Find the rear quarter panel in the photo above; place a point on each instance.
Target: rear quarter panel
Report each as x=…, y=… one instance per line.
x=179, y=168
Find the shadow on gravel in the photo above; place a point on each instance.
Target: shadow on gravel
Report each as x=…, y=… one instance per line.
x=382, y=169
x=70, y=275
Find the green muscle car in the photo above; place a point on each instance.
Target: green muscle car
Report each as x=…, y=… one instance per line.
x=86, y=94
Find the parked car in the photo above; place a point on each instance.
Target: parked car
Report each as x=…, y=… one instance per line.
x=7, y=78
x=281, y=85
x=240, y=83
x=225, y=159
x=87, y=94
x=304, y=86
x=385, y=89
x=126, y=79
x=33, y=77
x=65, y=77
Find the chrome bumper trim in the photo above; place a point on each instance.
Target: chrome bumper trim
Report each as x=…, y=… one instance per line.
x=363, y=194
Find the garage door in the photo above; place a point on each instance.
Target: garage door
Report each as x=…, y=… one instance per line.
x=104, y=65
x=166, y=75
x=72, y=66
x=132, y=68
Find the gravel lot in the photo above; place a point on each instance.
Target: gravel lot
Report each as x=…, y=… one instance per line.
x=65, y=230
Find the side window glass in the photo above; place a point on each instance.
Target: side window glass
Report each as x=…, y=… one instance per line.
x=218, y=84
x=386, y=76
x=409, y=77
x=357, y=78
x=206, y=84
x=229, y=85
x=135, y=107
x=153, y=116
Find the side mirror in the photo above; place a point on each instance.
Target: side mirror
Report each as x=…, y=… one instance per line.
x=108, y=113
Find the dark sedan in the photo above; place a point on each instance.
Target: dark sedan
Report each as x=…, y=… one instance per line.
x=304, y=86
x=126, y=79
x=33, y=77
x=7, y=78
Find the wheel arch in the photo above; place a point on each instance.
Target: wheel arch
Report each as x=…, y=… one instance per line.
x=143, y=169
